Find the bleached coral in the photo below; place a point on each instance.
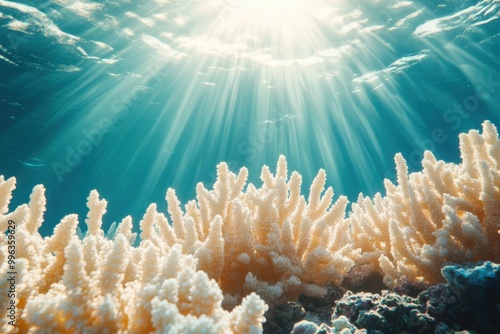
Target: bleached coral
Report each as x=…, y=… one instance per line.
x=65, y=284
x=268, y=240
x=446, y=213
x=234, y=241
x=272, y=241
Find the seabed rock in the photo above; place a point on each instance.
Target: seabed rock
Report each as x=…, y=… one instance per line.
x=468, y=303
x=311, y=310
x=471, y=299
x=388, y=313
x=280, y=319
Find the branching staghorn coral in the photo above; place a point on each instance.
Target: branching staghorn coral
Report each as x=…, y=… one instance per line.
x=231, y=242
x=65, y=284
x=267, y=240
x=447, y=213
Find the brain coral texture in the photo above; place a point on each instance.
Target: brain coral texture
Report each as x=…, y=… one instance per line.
x=215, y=263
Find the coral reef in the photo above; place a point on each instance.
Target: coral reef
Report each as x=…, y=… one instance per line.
x=447, y=213
x=65, y=284
x=268, y=240
x=272, y=241
x=238, y=243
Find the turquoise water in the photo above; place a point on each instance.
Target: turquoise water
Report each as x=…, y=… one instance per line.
x=133, y=98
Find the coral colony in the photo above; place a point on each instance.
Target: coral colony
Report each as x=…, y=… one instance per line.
x=220, y=262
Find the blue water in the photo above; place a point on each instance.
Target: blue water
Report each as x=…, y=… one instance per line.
x=133, y=98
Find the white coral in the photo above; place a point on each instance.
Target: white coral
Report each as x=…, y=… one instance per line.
x=96, y=285
x=446, y=213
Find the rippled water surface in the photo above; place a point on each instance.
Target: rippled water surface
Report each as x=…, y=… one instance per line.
x=133, y=97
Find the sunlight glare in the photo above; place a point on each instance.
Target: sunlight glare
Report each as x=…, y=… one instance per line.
x=279, y=24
